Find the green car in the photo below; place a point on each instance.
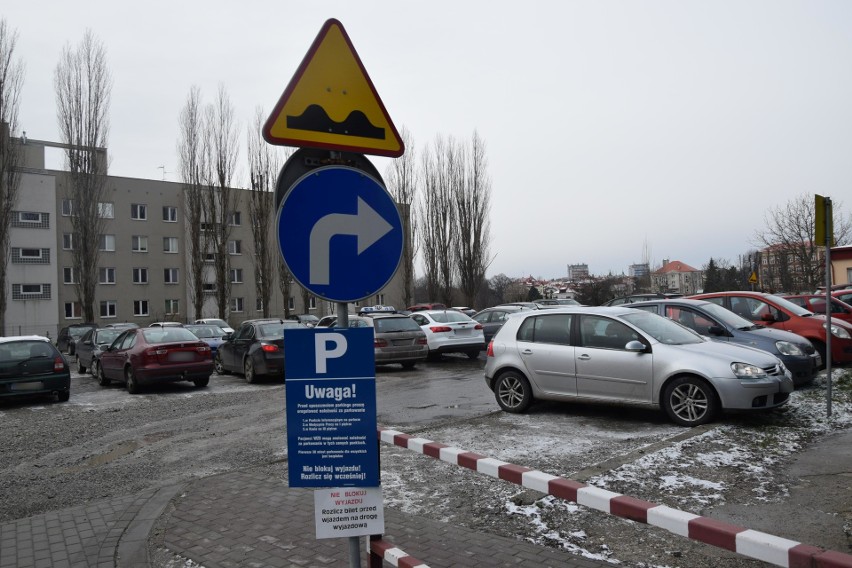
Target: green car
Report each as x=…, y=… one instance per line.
x=31, y=365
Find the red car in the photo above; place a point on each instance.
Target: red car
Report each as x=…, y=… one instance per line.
x=774, y=311
x=843, y=295
x=152, y=355
x=816, y=303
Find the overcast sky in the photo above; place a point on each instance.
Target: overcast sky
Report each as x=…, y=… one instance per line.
x=611, y=127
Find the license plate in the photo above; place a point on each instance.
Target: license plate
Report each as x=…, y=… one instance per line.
x=463, y=331
x=30, y=386
x=181, y=356
x=402, y=342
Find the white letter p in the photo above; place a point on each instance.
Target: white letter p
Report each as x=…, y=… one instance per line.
x=323, y=343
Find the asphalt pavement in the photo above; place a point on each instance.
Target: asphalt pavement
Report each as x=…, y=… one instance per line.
x=249, y=518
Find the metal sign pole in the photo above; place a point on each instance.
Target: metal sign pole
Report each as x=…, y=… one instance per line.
x=828, y=239
x=354, y=541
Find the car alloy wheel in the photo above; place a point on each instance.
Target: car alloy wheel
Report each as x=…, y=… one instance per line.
x=248, y=368
x=689, y=401
x=130, y=380
x=218, y=366
x=513, y=392
x=98, y=372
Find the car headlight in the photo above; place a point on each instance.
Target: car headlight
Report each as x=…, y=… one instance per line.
x=787, y=348
x=747, y=371
x=838, y=331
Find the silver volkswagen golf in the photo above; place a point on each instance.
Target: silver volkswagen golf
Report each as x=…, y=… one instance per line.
x=628, y=356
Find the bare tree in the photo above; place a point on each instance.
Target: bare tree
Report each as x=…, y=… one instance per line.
x=500, y=285
x=221, y=202
x=402, y=184
x=11, y=82
x=285, y=284
x=472, y=203
x=441, y=171
x=83, y=87
x=788, y=239
x=192, y=164
x=264, y=165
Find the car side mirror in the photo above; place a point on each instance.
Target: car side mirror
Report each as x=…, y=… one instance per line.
x=716, y=330
x=767, y=318
x=635, y=346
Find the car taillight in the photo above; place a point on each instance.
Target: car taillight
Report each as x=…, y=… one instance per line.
x=58, y=364
x=152, y=354
x=203, y=348
x=490, y=351
x=422, y=341
x=440, y=329
x=269, y=347
x=380, y=343
x=478, y=326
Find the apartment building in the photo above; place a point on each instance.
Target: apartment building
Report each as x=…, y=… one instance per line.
x=143, y=264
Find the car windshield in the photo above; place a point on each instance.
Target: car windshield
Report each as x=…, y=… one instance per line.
x=663, y=329
x=786, y=304
x=106, y=336
x=728, y=317
x=167, y=335
x=275, y=330
x=18, y=351
x=78, y=332
x=206, y=331
x=449, y=317
x=395, y=325
x=221, y=323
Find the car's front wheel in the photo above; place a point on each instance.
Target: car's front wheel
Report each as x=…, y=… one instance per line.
x=201, y=383
x=690, y=401
x=219, y=366
x=98, y=371
x=513, y=392
x=80, y=368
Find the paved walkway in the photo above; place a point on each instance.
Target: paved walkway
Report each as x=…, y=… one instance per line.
x=240, y=519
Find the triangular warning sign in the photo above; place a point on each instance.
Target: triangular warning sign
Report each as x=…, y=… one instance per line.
x=331, y=103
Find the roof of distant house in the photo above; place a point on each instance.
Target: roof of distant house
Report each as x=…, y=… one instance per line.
x=676, y=266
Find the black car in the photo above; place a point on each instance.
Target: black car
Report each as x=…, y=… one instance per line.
x=492, y=319
x=31, y=365
x=69, y=335
x=89, y=347
x=254, y=350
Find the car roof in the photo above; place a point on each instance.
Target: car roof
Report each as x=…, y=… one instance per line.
x=673, y=301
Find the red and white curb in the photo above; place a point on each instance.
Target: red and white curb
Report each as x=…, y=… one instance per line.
x=388, y=552
x=754, y=544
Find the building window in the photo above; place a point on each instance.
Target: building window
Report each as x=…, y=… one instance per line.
x=69, y=275
x=169, y=214
x=138, y=212
x=139, y=243
x=30, y=291
x=30, y=255
x=67, y=207
x=258, y=304
x=235, y=247
x=236, y=276
x=291, y=303
x=106, y=210
x=380, y=299
x=235, y=219
x=73, y=310
x=170, y=244
x=172, y=307
x=106, y=275
x=67, y=241
x=209, y=287
x=108, y=308
x=209, y=257
x=312, y=303
x=140, y=307
x=31, y=220
x=236, y=304
x=140, y=275
x=107, y=243
x=170, y=275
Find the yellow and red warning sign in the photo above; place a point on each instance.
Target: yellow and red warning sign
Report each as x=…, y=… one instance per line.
x=331, y=103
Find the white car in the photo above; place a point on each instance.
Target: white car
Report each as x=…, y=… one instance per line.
x=450, y=331
x=218, y=322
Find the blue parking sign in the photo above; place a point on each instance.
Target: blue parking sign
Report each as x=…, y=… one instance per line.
x=331, y=408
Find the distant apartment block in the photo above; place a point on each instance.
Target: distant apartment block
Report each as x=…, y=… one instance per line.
x=678, y=278
x=578, y=272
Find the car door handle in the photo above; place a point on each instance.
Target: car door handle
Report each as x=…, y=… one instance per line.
x=584, y=357
x=526, y=352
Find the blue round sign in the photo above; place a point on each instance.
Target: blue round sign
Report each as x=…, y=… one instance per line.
x=340, y=233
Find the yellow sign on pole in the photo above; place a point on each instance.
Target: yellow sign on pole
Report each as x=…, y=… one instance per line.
x=823, y=221
x=753, y=278
x=331, y=103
